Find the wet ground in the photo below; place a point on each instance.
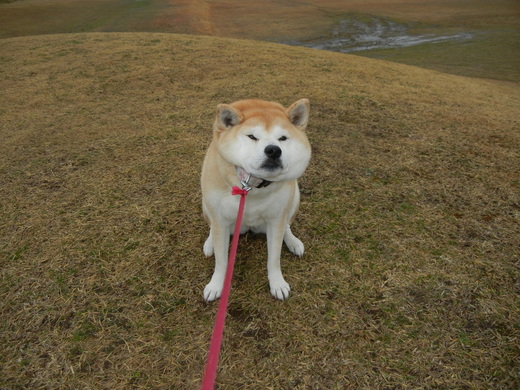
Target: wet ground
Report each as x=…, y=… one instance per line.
x=353, y=35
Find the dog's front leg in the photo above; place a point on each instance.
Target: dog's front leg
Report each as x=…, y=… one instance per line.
x=220, y=237
x=280, y=289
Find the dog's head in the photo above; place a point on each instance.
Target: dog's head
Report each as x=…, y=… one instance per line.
x=264, y=138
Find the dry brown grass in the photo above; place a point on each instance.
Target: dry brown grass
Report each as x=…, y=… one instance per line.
x=410, y=216
x=494, y=52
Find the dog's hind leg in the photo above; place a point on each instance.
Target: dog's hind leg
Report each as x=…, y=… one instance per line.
x=208, y=246
x=293, y=243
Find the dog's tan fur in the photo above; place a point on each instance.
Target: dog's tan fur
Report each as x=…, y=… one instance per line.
x=269, y=142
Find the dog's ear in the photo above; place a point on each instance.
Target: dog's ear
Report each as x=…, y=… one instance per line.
x=227, y=116
x=298, y=113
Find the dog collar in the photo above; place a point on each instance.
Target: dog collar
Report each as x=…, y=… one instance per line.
x=249, y=180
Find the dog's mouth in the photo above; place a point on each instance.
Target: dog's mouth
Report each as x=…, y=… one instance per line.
x=268, y=169
x=272, y=166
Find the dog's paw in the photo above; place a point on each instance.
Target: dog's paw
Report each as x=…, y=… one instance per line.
x=280, y=289
x=208, y=247
x=295, y=246
x=212, y=291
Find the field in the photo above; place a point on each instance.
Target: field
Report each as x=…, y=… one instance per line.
x=410, y=208
x=409, y=213
x=493, y=52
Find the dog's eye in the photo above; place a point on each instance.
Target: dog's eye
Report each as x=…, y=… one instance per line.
x=284, y=138
x=251, y=136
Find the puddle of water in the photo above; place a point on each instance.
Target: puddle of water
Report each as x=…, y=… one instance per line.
x=352, y=35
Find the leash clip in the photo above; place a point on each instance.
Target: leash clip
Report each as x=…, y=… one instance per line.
x=245, y=183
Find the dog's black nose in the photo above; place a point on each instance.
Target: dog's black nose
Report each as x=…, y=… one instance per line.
x=273, y=151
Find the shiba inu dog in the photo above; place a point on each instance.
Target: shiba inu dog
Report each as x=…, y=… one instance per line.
x=263, y=145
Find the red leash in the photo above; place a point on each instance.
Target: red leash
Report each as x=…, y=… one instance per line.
x=218, y=329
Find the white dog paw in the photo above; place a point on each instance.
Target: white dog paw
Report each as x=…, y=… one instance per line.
x=213, y=290
x=295, y=246
x=280, y=289
x=208, y=247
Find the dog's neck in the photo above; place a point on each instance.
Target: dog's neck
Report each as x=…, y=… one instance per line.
x=249, y=180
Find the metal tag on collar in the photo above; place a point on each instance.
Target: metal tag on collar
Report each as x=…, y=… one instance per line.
x=245, y=183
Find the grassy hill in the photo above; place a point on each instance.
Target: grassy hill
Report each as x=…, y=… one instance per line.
x=410, y=216
x=492, y=52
